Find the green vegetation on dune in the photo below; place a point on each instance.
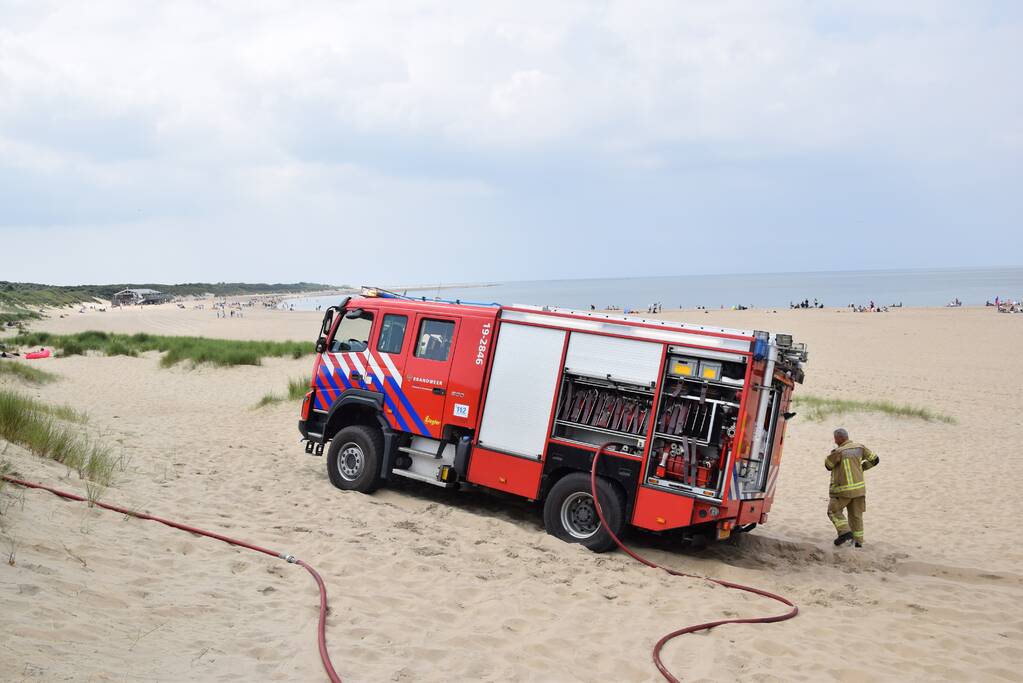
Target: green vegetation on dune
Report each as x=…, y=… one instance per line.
x=219, y=352
x=820, y=408
x=61, y=412
x=17, y=315
x=21, y=370
x=269, y=398
x=22, y=294
x=297, y=389
x=49, y=431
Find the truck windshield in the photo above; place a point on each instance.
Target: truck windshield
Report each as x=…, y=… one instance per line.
x=352, y=334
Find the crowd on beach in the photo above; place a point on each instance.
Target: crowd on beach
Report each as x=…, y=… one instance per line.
x=1006, y=305
x=872, y=307
x=274, y=302
x=267, y=301
x=869, y=307
x=223, y=309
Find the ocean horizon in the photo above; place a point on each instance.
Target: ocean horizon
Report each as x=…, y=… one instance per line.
x=908, y=287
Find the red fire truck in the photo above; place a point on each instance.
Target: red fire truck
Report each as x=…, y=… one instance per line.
x=518, y=399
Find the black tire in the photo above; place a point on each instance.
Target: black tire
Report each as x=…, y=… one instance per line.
x=569, y=514
x=353, y=460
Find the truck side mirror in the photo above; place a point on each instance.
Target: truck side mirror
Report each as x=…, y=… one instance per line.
x=321, y=345
x=328, y=318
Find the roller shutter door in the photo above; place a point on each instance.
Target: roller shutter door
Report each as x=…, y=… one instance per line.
x=625, y=360
x=525, y=376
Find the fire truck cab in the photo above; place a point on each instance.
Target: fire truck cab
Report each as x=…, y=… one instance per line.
x=519, y=398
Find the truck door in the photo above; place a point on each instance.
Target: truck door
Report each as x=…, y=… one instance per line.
x=386, y=362
x=339, y=368
x=427, y=368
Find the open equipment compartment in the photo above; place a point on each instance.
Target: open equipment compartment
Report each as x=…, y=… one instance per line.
x=696, y=421
x=593, y=411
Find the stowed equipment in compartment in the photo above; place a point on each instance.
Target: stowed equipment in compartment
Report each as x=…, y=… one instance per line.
x=695, y=422
x=591, y=410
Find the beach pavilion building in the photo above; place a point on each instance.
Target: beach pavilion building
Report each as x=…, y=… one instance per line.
x=137, y=297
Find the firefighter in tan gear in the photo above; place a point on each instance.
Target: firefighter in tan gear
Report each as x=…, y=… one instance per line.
x=848, y=490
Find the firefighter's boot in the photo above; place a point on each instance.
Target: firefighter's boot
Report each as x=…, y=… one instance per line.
x=844, y=537
x=836, y=514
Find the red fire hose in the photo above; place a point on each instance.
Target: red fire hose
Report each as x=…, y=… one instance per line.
x=321, y=628
x=727, y=584
x=321, y=636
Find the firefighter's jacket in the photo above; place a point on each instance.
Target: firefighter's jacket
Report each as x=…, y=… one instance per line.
x=847, y=464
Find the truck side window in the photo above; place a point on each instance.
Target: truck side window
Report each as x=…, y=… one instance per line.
x=435, y=339
x=392, y=333
x=352, y=334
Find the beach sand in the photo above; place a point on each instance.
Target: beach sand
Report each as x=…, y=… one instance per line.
x=432, y=585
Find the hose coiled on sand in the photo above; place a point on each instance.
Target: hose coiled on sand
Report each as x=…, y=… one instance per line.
x=656, y=653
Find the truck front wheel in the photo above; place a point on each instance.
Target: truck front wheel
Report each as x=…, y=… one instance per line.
x=353, y=460
x=569, y=513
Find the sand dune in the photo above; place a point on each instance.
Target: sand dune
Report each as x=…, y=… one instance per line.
x=433, y=585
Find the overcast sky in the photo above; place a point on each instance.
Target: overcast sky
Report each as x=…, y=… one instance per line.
x=414, y=142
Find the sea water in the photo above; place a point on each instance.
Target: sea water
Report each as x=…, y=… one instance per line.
x=933, y=287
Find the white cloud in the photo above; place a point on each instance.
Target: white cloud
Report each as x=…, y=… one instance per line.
x=188, y=110
x=727, y=71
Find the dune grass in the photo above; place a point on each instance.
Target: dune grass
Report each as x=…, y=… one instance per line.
x=198, y=350
x=269, y=398
x=820, y=408
x=17, y=315
x=25, y=372
x=52, y=432
x=29, y=404
x=297, y=389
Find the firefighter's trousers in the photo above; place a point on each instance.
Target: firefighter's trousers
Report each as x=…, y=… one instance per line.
x=855, y=506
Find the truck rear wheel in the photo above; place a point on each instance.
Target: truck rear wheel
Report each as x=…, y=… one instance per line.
x=569, y=513
x=353, y=460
